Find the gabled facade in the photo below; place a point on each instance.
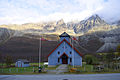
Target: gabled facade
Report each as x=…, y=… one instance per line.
x=22, y=63
x=65, y=53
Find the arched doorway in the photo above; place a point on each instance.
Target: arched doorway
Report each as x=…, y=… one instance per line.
x=64, y=59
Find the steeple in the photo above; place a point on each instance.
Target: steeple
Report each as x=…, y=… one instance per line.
x=64, y=36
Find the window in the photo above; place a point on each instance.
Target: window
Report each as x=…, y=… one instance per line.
x=58, y=52
x=70, y=52
x=70, y=59
x=58, y=60
x=64, y=47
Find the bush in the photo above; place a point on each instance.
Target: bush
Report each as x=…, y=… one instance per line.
x=8, y=61
x=109, y=57
x=90, y=59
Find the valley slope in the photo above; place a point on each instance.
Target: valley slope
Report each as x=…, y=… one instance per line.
x=93, y=34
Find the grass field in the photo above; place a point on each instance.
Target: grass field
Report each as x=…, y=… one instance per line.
x=18, y=70
x=88, y=69
x=33, y=69
x=31, y=64
x=83, y=68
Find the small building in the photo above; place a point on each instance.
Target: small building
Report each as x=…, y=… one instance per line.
x=22, y=63
x=65, y=52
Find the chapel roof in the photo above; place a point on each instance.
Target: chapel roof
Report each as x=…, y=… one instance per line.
x=73, y=43
x=23, y=60
x=79, y=50
x=64, y=35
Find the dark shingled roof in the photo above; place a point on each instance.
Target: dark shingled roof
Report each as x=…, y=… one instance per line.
x=64, y=35
x=23, y=60
x=76, y=45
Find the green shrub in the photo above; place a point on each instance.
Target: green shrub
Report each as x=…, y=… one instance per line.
x=90, y=59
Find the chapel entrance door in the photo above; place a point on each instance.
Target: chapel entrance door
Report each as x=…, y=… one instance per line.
x=64, y=59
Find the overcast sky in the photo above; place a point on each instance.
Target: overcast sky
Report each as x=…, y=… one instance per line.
x=26, y=11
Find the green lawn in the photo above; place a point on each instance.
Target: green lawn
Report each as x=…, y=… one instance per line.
x=36, y=64
x=88, y=69
x=33, y=68
x=84, y=67
x=18, y=69
x=4, y=64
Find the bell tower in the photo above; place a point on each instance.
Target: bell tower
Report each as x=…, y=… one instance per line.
x=64, y=36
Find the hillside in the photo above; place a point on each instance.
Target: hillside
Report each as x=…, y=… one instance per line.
x=93, y=34
x=23, y=47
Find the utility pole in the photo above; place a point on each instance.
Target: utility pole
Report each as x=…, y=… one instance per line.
x=40, y=56
x=72, y=54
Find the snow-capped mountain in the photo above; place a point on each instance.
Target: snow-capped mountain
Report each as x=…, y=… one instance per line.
x=93, y=31
x=92, y=24
x=85, y=25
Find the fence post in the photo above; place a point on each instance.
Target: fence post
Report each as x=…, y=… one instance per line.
x=91, y=68
x=9, y=70
x=24, y=69
x=17, y=69
x=2, y=70
x=33, y=69
x=84, y=68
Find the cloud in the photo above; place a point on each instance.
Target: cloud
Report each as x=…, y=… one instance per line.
x=111, y=11
x=25, y=11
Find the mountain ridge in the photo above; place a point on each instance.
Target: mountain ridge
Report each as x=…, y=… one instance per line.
x=90, y=31
x=57, y=27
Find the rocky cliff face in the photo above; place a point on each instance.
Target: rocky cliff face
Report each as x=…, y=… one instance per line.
x=102, y=41
x=60, y=26
x=86, y=25
x=5, y=34
x=95, y=34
